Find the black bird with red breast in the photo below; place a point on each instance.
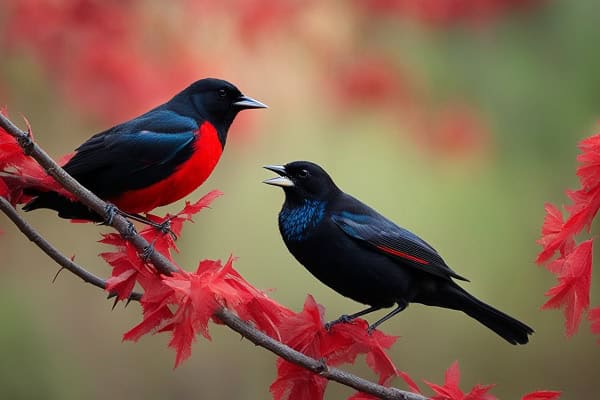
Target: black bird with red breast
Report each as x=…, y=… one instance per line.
x=156, y=158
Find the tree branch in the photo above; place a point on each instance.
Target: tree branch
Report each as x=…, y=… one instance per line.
x=162, y=264
x=52, y=251
x=121, y=224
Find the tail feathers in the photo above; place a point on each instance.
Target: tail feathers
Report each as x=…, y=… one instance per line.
x=512, y=330
x=66, y=208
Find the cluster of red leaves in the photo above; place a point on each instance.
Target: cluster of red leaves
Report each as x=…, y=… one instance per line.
x=451, y=390
x=573, y=262
x=443, y=14
x=306, y=333
x=19, y=172
x=94, y=51
x=184, y=302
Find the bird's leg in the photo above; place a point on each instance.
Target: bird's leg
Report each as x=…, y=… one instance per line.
x=348, y=318
x=401, y=306
x=164, y=227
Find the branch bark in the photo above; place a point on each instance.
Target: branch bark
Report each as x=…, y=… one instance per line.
x=162, y=264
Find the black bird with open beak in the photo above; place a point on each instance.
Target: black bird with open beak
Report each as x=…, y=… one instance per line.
x=364, y=256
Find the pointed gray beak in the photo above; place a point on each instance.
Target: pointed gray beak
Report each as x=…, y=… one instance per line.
x=281, y=180
x=245, y=102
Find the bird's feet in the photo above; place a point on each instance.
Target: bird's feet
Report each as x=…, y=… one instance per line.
x=342, y=319
x=110, y=210
x=131, y=232
x=165, y=227
x=147, y=252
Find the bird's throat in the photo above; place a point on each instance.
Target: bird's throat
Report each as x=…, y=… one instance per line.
x=297, y=222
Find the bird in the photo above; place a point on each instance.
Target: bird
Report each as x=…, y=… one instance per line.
x=154, y=159
x=364, y=256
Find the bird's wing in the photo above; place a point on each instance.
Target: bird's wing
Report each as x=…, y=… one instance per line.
x=148, y=142
x=388, y=238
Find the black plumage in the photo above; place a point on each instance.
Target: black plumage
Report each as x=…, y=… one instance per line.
x=364, y=256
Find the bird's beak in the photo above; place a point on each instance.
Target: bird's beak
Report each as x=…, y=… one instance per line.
x=245, y=102
x=281, y=180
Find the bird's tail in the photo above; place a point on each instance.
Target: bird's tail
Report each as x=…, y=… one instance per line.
x=66, y=207
x=512, y=330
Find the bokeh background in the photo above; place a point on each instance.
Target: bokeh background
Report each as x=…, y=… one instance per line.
x=457, y=119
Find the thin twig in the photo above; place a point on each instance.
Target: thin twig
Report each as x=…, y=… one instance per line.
x=51, y=251
x=164, y=266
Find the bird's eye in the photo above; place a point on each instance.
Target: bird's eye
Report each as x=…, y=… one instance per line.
x=302, y=173
x=222, y=93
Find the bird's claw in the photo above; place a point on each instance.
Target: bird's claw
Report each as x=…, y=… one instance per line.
x=26, y=143
x=110, y=210
x=342, y=319
x=371, y=329
x=165, y=227
x=147, y=253
x=131, y=232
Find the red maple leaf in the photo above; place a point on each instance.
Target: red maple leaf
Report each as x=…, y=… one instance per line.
x=451, y=391
x=294, y=382
x=553, y=236
x=542, y=395
x=589, y=160
x=19, y=172
x=306, y=333
x=386, y=382
x=128, y=267
x=594, y=317
x=573, y=289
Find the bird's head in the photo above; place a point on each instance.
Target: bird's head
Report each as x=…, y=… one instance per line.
x=215, y=100
x=302, y=180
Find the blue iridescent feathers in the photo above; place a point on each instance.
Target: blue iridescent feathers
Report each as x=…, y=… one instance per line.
x=297, y=223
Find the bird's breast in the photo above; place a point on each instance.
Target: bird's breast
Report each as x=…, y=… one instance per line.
x=190, y=174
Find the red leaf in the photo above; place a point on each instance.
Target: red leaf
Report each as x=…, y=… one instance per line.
x=542, y=395
x=586, y=203
x=128, y=268
x=589, y=160
x=553, y=236
x=386, y=382
x=21, y=172
x=594, y=317
x=573, y=289
x=294, y=382
x=451, y=391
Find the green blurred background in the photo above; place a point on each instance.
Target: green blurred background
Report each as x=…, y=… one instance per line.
x=529, y=77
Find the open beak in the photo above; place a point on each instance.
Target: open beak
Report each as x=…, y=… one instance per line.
x=281, y=180
x=245, y=102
